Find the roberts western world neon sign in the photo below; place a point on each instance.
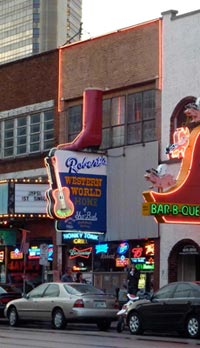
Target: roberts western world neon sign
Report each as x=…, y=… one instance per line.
x=181, y=203
x=77, y=194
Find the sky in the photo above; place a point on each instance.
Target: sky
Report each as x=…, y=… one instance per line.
x=104, y=16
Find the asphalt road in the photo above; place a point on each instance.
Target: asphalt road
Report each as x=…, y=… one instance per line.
x=84, y=336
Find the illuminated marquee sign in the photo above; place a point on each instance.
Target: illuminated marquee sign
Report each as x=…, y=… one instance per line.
x=21, y=198
x=181, y=203
x=30, y=198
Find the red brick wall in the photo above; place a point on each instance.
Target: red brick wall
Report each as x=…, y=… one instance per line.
x=113, y=61
x=24, y=82
x=29, y=81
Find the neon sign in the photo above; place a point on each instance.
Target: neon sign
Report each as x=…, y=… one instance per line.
x=1, y=256
x=79, y=241
x=75, y=252
x=101, y=248
x=121, y=261
x=80, y=235
x=59, y=204
x=171, y=209
x=34, y=252
x=149, y=249
x=137, y=252
x=145, y=266
x=16, y=254
x=181, y=203
x=122, y=248
x=181, y=141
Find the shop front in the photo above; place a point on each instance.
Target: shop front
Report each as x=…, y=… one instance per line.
x=22, y=264
x=105, y=264
x=24, y=229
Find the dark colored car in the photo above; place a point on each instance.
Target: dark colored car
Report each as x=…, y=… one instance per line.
x=174, y=307
x=7, y=293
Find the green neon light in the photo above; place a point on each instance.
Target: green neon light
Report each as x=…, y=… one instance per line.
x=174, y=209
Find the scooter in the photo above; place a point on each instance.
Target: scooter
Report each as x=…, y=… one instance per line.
x=122, y=313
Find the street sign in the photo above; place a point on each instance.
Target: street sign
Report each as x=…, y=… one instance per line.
x=43, y=254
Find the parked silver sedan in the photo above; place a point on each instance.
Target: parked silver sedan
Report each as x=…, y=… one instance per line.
x=64, y=302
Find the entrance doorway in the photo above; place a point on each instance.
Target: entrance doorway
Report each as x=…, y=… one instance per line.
x=187, y=267
x=184, y=261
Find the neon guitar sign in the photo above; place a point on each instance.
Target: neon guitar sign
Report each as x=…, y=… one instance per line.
x=59, y=204
x=63, y=207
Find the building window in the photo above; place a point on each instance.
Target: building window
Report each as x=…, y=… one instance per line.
x=21, y=135
x=28, y=134
x=36, y=32
x=141, y=117
x=75, y=121
x=118, y=121
x=127, y=119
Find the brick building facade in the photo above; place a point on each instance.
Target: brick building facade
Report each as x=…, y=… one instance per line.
x=124, y=64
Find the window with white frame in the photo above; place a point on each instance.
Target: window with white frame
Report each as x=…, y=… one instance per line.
x=27, y=134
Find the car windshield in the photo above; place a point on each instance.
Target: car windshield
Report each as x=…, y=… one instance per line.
x=5, y=289
x=77, y=288
x=2, y=291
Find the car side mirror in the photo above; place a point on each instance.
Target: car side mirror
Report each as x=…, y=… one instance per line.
x=24, y=295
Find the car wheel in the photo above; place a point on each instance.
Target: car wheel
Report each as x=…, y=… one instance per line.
x=58, y=319
x=104, y=325
x=193, y=326
x=120, y=325
x=134, y=324
x=13, y=317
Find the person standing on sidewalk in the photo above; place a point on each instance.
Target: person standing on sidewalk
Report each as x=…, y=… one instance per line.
x=133, y=280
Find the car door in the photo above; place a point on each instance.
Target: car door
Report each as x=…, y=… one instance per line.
x=154, y=312
x=28, y=309
x=48, y=301
x=179, y=305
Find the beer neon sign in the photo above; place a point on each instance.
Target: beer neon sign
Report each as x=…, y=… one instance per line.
x=122, y=261
x=101, y=248
x=84, y=253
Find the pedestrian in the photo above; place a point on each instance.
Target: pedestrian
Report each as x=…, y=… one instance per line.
x=133, y=280
x=79, y=278
x=67, y=276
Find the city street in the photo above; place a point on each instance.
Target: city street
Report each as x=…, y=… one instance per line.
x=86, y=336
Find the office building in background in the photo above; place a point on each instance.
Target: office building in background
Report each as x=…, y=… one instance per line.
x=29, y=27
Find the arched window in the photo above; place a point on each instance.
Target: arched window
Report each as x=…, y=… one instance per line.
x=178, y=118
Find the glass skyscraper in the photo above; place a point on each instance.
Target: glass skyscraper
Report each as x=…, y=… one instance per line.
x=29, y=27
